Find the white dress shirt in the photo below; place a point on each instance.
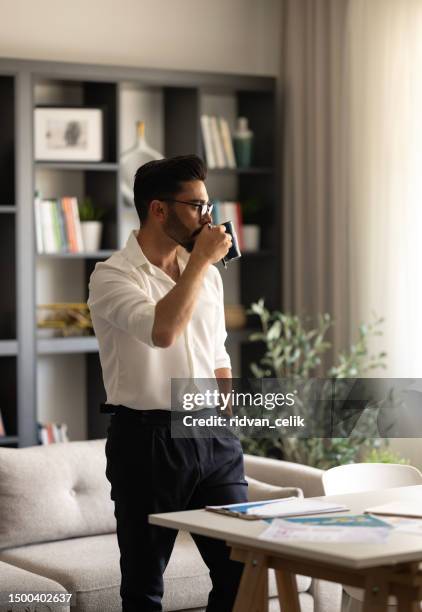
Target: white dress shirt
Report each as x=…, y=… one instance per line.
x=123, y=292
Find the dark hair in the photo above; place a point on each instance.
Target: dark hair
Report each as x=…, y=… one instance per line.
x=163, y=178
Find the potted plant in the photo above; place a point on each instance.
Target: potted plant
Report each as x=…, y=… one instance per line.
x=91, y=225
x=293, y=349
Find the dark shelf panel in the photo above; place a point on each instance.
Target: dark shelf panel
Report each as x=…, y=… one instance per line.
x=263, y=253
x=104, y=254
x=240, y=335
x=84, y=255
x=7, y=209
x=7, y=139
x=8, y=347
x=252, y=170
x=54, y=346
x=6, y=440
x=98, y=166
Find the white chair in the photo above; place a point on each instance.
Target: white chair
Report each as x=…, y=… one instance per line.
x=357, y=477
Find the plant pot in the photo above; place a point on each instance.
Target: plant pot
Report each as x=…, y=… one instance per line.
x=251, y=238
x=91, y=235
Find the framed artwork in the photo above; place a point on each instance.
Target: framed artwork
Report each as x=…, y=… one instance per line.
x=68, y=134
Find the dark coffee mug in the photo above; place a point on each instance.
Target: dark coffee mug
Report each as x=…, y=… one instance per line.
x=234, y=251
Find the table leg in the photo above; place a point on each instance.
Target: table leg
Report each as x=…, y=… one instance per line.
x=407, y=602
x=263, y=586
x=376, y=594
x=250, y=596
x=287, y=591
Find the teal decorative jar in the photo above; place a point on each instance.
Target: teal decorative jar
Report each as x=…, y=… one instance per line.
x=243, y=143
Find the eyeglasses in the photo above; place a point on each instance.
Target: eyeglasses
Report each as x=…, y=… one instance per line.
x=205, y=207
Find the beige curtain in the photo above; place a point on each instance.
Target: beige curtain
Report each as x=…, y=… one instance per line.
x=385, y=121
x=385, y=124
x=315, y=208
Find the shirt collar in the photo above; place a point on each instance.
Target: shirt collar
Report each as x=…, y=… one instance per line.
x=136, y=256
x=134, y=253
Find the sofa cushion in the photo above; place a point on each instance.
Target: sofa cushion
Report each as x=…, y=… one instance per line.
x=16, y=580
x=260, y=491
x=90, y=568
x=54, y=492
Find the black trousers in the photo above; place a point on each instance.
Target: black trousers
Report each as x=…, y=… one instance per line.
x=150, y=471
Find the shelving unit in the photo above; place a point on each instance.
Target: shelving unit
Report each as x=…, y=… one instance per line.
x=103, y=254
x=56, y=346
x=59, y=379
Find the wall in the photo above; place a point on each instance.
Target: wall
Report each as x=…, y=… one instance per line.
x=223, y=35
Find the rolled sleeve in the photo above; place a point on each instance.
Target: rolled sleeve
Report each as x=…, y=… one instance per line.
x=222, y=358
x=119, y=300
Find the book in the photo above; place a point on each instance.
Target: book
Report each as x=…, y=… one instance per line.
x=77, y=224
x=241, y=510
x=227, y=143
x=61, y=226
x=70, y=225
x=38, y=224
x=411, y=509
x=288, y=506
x=217, y=143
x=207, y=142
x=50, y=433
x=56, y=226
x=47, y=225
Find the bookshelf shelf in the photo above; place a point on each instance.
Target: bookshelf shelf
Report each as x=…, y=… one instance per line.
x=7, y=209
x=8, y=347
x=261, y=253
x=80, y=166
x=104, y=254
x=54, y=346
x=8, y=440
x=241, y=171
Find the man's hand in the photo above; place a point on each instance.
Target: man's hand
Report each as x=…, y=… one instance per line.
x=174, y=310
x=212, y=244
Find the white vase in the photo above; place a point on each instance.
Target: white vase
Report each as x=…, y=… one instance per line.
x=91, y=235
x=251, y=238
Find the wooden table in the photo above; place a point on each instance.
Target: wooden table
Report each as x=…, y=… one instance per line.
x=382, y=569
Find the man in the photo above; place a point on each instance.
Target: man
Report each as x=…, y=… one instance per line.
x=158, y=314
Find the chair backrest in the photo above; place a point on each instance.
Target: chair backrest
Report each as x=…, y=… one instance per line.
x=357, y=477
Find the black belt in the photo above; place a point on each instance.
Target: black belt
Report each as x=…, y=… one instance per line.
x=153, y=416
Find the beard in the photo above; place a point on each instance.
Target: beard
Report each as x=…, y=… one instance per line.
x=177, y=231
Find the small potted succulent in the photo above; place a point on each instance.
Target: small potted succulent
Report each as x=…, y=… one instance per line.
x=91, y=224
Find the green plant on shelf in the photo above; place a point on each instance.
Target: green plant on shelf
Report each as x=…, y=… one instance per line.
x=89, y=212
x=252, y=209
x=294, y=350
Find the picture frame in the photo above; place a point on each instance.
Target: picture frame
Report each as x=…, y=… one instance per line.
x=68, y=134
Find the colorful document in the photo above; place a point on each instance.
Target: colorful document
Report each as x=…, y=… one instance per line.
x=349, y=520
x=285, y=531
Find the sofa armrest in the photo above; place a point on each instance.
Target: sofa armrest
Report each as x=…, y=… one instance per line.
x=285, y=474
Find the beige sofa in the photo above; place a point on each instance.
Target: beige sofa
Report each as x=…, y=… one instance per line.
x=57, y=531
